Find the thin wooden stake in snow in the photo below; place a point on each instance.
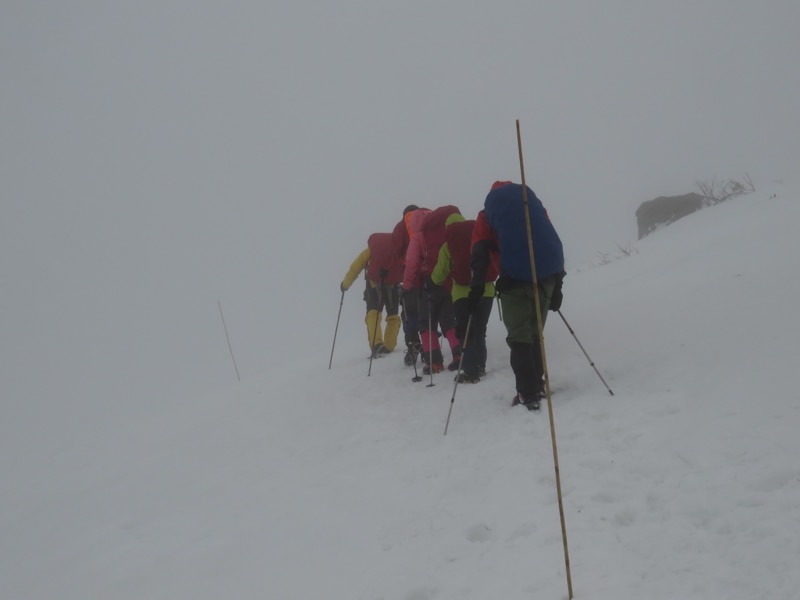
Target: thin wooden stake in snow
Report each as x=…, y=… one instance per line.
x=544, y=363
x=225, y=327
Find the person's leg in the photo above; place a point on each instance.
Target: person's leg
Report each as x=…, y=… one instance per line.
x=410, y=307
x=519, y=316
x=480, y=323
x=427, y=324
x=373, y=317
x=446, y=319
x=462, y=315
x=393, y=322
x=429, y=335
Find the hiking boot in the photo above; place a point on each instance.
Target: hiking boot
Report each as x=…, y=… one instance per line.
x=467, y=378
x=532, y=403
x=453, y=366
x=433, y=356
x=379, y=350
x=482, y=371
x=412, y=351
x=436, y=368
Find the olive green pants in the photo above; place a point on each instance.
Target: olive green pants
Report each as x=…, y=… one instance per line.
x=519, y=310
x=519, y=316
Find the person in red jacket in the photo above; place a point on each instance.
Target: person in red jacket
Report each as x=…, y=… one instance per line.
x=383, y=271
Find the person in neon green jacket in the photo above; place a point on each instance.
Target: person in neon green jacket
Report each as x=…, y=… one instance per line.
x=454, y=264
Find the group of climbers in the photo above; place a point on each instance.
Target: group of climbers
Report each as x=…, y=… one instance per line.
x=437, y=274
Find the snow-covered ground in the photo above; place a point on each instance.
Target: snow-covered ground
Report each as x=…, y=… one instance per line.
x=310, y=483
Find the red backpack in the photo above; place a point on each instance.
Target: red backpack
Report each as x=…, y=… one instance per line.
x=383, y=255
x=433, y=232
x=459, y=242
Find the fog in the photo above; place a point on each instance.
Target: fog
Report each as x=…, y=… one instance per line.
x=161, y=157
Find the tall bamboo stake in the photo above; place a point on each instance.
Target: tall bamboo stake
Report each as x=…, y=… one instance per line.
x=544, y=363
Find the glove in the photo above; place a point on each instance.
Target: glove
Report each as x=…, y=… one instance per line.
x=474, y=297
x=503, y=284
x=428, y=284
x=557, y=297
x=342, y=288
x=383, y=273
x=400, y=292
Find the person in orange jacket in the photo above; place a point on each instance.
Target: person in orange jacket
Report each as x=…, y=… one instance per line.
x=435, y=307
x=401, y=236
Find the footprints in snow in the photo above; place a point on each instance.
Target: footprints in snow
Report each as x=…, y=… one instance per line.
x=482, y=533
x=479, y=533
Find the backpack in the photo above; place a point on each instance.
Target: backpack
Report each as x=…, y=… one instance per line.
x=459, y=242
x=433, y=232
x=505, y=214
x=383, y=255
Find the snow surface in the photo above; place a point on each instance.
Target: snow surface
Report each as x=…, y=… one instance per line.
x=308, y=483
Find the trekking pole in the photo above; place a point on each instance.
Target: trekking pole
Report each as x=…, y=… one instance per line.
x=544, y=363
x=416, y=377
x=430, y=338
x=335, y=331
x=586, y=354
x=499, y=307
x=225, y=327
x=458, y=375
x=379, y=293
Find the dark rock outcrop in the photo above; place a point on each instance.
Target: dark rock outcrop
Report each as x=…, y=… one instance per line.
x=665, y=210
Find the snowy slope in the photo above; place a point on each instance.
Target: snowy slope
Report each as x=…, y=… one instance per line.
x=315, y=483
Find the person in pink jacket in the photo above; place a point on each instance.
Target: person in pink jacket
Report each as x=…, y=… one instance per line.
x=401, y=236
x=432, y=302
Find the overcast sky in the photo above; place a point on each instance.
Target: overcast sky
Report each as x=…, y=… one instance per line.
x=159, y=157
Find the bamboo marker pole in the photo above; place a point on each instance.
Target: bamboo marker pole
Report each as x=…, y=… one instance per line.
x=544, y=363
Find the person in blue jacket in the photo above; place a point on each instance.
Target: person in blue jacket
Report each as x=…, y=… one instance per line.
x=500, y=229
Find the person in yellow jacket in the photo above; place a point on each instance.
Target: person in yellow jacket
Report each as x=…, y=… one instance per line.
x=383, y=271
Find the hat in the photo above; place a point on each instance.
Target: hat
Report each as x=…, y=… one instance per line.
x=499, y=184
x=409, y=208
